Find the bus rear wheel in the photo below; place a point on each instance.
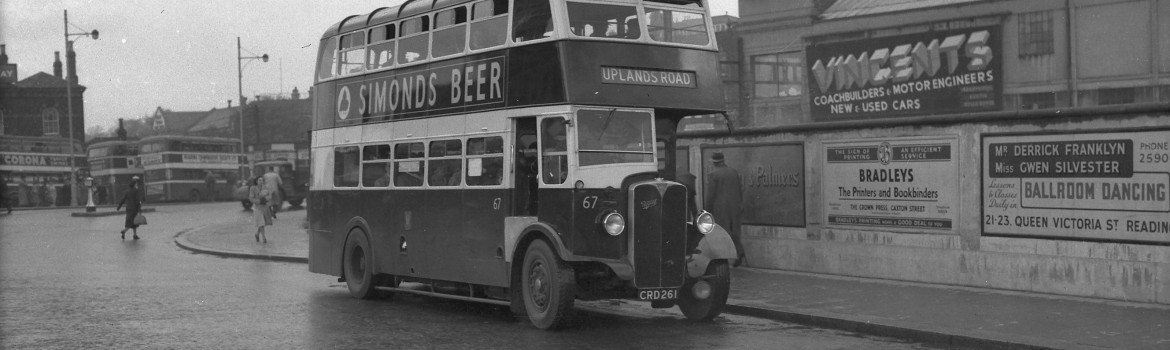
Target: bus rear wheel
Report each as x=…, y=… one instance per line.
x=358, y=267
x=718, y=278
x=548, y=287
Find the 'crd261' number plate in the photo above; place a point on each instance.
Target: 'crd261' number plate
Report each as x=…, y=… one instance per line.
x=658, y=294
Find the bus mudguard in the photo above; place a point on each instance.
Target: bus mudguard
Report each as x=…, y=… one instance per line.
x=713, y=246
x=357, y=226
x=519, y=228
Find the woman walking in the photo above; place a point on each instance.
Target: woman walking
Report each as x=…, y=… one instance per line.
x=261, y=213
x=132, y=200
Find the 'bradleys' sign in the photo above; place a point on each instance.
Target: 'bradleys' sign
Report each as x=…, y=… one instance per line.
x=429, y=89
x=936, y=72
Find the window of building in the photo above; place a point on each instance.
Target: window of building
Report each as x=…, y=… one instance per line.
x=346, y=165
x=450, y=35
x=778, y=75
x=1, y=122
x=489, y=26
x=50, y=121
x=1042, y=100
x=376, y=166
x=1035, y=33
x=485, y=161
x=381, y=49
x=408, y=158
x=445, y=166
x=1115, y=96
x=415, y=43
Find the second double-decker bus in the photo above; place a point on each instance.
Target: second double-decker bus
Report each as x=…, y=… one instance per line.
x=175, y=167
x=113, y=163
x=507, y=151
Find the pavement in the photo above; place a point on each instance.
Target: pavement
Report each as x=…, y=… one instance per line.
x=947, y=316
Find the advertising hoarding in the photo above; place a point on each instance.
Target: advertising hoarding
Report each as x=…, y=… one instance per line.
x=936, y=72
x=772, y=177
x=1106, y=186
x=903, y=184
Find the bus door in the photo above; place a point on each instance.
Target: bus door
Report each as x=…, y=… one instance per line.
x=554, y=187
x=525, y=168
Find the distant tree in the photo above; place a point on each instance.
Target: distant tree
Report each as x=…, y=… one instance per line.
x=97, y=131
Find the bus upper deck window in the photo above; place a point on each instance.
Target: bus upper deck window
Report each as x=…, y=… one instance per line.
x=532, y=20
x=327, y=63
x=352, y=54
x=489, y=26
x=414, y=43
x=381, y=50
x=450, y=35
x=603, y=21
x=677, y=27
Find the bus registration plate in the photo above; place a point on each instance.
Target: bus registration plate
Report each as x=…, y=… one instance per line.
x=658, y=294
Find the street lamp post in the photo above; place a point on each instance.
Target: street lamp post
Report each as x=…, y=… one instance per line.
x=69, y=103
x=240, y=58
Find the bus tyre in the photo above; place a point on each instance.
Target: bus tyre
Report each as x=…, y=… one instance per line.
x=719, y=277
x=358, y=267
x=548, y=287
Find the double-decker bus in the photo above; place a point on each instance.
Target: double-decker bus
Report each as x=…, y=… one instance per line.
x=113, y=164
x=175, y=167
x=508, y=151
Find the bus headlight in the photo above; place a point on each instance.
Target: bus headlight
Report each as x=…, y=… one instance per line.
x=614, y=224
x=705, y=222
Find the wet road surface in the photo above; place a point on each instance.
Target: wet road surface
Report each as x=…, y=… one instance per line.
x=72, y=283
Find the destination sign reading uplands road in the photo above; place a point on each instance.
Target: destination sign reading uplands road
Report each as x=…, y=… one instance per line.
x=1112, y=186
x=905, y=184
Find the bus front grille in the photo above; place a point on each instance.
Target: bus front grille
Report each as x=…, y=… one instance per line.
x=658, y=231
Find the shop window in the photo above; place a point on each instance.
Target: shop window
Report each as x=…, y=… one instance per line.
x=1035, y=30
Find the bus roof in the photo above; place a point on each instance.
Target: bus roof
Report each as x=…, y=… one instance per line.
x=389, y=14
x=188, y=138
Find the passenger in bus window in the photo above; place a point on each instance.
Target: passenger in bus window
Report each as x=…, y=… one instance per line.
x=384, y=181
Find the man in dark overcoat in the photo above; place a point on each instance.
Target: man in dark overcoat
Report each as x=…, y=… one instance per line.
x=722, y=197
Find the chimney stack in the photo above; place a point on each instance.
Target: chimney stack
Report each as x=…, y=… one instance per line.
x=71, y=62
x=57, y=64
x=121, y=130
x=3, y=54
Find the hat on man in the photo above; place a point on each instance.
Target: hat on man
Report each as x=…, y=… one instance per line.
x=717, y=156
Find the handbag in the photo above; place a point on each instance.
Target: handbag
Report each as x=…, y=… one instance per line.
x=140, y=219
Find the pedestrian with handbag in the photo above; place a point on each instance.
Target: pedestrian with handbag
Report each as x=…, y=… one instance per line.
x=261, y=212
x=133, y=201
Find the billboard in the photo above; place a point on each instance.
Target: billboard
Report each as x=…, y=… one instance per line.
x=1102, y=186
x=772, y=178
x=936, y=72
x=904, y=184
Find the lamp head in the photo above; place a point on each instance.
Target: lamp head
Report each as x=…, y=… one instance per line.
x=265, y=58
x=94, y=34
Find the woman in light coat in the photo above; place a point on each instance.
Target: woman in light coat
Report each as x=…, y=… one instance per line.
x=261, y=213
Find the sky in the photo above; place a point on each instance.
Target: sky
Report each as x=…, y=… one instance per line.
x=180, y=55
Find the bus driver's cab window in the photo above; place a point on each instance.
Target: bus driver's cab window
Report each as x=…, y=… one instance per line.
x=554, y=163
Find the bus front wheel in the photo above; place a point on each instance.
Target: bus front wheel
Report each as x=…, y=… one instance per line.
x=548, y=287
x=358, y=267
x=718, y=278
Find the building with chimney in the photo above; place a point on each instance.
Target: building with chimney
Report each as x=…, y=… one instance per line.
x=41, y=142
